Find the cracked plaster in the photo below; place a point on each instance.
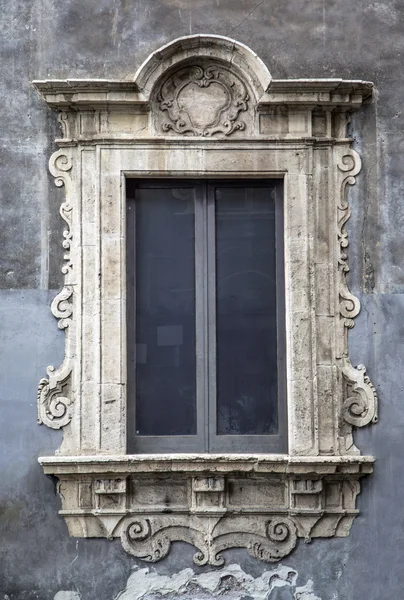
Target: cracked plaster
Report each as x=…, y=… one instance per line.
x=230, y=583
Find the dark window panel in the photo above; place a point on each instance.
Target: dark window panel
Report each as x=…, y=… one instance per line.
x=165, y=312
x=246, y=321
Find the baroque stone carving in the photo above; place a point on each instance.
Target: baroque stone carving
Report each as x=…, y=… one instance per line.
x=350, y=166
x=54, y=408
x=206, y=106
x=62, y=307
x=203, y=101
x=262, y=504
x=360, y=406
x=211, y=536
x=59, y=165
x=63, y=119
x=54, y=404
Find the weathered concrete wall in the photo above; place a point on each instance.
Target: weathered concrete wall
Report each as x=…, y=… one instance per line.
x=296, y=38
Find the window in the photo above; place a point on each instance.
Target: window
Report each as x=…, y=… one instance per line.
x=205, y=316
x=200, y=197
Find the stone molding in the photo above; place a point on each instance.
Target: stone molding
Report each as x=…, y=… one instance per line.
x=259, y=502
x=255, y=127
x=236, y=56
x=93, y=94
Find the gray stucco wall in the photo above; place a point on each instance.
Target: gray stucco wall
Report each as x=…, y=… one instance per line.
x=110, y=38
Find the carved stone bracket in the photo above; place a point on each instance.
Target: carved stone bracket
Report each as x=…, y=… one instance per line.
x=110, y=501
x=208, y=495
x=360, y=406
x=54, y=407
x=203, y=100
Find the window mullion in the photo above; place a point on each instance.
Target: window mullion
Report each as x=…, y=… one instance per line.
x=211, y=311
x=201, y=270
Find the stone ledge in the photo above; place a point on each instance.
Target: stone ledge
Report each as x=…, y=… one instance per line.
x=260, y=502
x=193, y=463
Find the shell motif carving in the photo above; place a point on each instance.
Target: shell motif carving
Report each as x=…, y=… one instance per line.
x=202, y=101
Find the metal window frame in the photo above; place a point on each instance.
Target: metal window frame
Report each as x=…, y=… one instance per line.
x=206, y=439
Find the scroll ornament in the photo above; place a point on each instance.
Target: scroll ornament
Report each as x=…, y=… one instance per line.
x=151, y=544
x=62, y=307
x=350, y=166
x=54, y=409
x=59, y=165
x=54, y=404
x=361, y=406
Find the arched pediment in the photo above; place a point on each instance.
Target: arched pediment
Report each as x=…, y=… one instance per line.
x=193, y=49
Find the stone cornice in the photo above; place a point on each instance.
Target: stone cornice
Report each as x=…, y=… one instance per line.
x=336, y=93
x=84, y=94
x=87, y=94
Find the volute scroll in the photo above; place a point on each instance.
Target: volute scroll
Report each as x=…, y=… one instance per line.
x=55, y=404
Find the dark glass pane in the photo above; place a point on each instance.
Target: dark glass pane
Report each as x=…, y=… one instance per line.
x=246, y=311
x=165, y=312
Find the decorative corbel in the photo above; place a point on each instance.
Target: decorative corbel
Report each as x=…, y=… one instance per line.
x=360, y=406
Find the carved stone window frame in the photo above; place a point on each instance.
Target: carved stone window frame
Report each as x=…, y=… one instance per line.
x=262, y=128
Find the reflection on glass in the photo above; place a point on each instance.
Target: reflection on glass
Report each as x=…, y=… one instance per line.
x=165, y=312
x=246, y=312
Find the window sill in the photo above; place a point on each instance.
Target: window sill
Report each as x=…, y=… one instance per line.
x=215, y=463
x=263, y=502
